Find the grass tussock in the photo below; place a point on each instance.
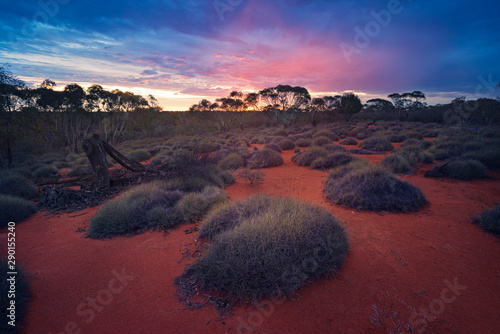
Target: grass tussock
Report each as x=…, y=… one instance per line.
x=151, y=206
x=14, y=209
x=18, y=186
x=464, y=169
x=349, y=141
x=333, y=160
x=306, y=157
x=265, y=246
x=286, y=144
x=489, y=220
x=265, y=158
x=372, y=188
x=377, y=144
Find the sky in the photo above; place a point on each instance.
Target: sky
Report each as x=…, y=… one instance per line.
x=185, y=51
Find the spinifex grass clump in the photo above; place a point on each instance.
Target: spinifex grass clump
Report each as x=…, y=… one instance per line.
x=464, y=169
x=305, y=158
x=377, y=144
x=22, y=296
x=371, y=188
x=349, y=141
x=14, y=209
x=152, y=205
x=266, y=246
x=265, y=158
x=19, y=186
x=333, y=160
x=489, y=220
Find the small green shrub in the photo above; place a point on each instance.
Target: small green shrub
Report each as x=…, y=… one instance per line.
x=139, y=155
x=397, y=163
x=333, y=160
x=286, y=144
x=464, y=169
x=265, y=246
x=321, y=141
x=305, y=158
x=22, y=297
x=325, y=133
x=18, y=186
x=44, y=171
x=349, y=141
x=252, y=176
x=303, y=142
x=377, y=144
x=489, y=220
x=133, y=211
x=274, y=147
x=194, y=206
x=14, y=209
x=231, y=162
x=265, y=158
x=372, y=188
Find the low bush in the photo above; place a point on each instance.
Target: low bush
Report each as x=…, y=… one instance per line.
x=274, y=147
x=265, y=246
x=411, y=142
x=397, y=163
x=231, y=162
x=150, y=205
x=321, y=141
x=22, y=292
x=426, y=144
x=281, y=133
x=464, y=169
x=335, y=148
x=139, y=155
x=44, y=171
x=397, y=138
x=14, y=209
x=332, y=160
x=377, y=144
x=349, y=141
x=265, y=158
x=489, y=220
x=372, y=188
x=194, y=206
x=325, y=133
x=303, y=142
x=252, y=176
x=306, y=157
x=286, y=144
x=18, y=186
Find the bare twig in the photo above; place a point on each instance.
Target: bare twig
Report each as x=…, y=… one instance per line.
x=399, y=257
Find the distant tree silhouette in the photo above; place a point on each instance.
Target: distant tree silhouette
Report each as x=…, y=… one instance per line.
x=350, y=104
x=407, y=102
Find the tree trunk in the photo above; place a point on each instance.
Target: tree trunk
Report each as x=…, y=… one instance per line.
x=97, y=156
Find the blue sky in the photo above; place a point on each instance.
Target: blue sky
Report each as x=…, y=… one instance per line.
x=183, y=51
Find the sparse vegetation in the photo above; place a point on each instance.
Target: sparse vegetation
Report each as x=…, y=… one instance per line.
x=265, y=246
x=372, y=188
x=489, y=220
x=14, y=209
x=18, y=186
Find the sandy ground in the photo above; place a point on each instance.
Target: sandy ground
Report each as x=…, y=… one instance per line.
x=126, y=285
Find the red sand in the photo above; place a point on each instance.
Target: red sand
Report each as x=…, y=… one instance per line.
x=439, y=244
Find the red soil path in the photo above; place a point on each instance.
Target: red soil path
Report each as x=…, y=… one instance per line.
x=438, y=244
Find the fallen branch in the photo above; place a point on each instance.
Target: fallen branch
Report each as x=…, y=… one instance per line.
x=399, y=257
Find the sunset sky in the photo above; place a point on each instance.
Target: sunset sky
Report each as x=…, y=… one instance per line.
x=184, y=51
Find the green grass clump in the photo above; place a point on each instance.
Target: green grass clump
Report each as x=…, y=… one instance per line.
x=44, y=171
x=321, y=141
x=265, y=246
x=18, y=186
x=265, y=158
x=333, y=160
x=14, y=209
x=194, y=206
x=325, y=133
x=305, y=158
x=489, y=220
x=349, y=141
x=286, y=144
x=303, y=142
x=377, y=144
x=150, y=205
x=273, y=146
x=231, y=162
x=22, y=297
x=464, y=169
x=397, y=163
x=139, y=155
x=372, y=188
